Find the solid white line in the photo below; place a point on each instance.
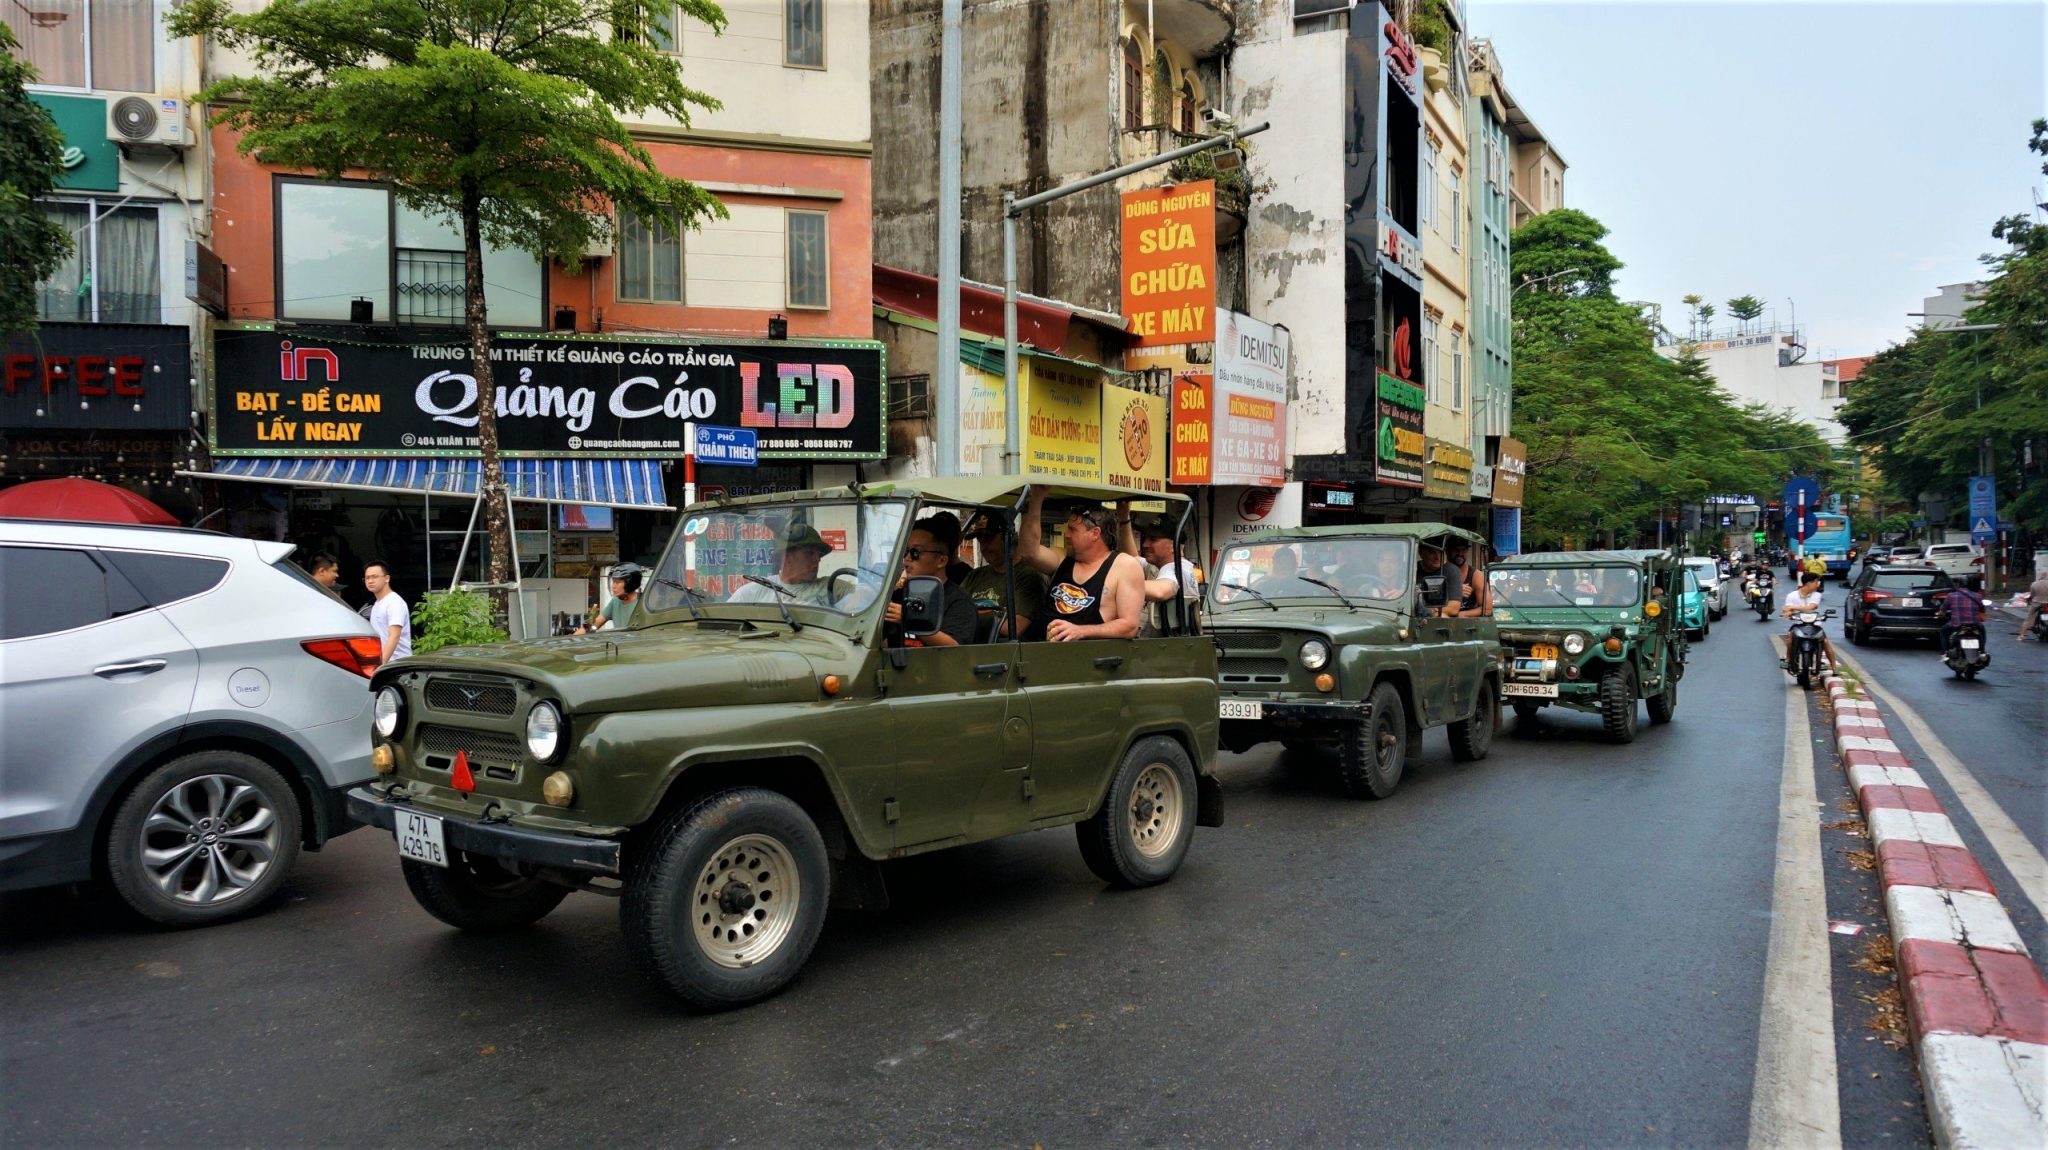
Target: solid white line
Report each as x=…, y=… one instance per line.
x=2014, y=848
x=1795, y=1100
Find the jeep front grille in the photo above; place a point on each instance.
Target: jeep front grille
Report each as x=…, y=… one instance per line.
x=496, y=753
x=471, y=698
x=1249, y=640
x=1235, y=670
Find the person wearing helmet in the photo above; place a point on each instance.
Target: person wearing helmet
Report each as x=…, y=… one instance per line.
x=614, y=616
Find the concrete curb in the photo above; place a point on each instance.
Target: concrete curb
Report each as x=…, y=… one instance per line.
x=1976, y=1003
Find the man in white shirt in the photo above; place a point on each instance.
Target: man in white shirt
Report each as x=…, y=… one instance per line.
x=388, y=614
x=803, y=549
x=1165, y=579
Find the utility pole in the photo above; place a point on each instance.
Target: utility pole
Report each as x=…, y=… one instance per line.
x=945, y=380
x=1014, y=207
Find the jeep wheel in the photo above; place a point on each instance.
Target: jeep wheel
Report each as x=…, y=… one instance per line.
x=1375, y=751
x=728, y=899
x=1472, y=738
x=1143, y=829
x=475, y=893
x=1618, y=704
x=203, y=838
x=1664, y=703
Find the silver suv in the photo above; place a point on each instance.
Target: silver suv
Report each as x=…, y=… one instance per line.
x=180, y=711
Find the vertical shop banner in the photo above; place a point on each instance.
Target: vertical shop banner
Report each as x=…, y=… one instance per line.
x=1398, y=446
x=1169, y=263
x=1250, y=415
x=1510, y=471
x=984, y=415
x=1133, y=439
x=1507, y=531
x=1193, y=429
x=1063, y=420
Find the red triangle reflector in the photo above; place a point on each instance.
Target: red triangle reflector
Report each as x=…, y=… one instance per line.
x=460, y=777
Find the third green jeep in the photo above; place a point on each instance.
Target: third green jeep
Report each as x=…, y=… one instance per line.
x=1333, y=637
x=761, y=734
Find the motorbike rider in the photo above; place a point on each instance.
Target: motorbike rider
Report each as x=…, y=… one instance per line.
x=1757, y=574
x=1961, y=607
x=1807, y=598
x=2037, y=604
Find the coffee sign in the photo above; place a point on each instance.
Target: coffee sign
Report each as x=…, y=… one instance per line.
x=98, y=377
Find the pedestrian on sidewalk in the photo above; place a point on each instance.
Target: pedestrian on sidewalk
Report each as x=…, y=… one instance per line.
x=389, y=615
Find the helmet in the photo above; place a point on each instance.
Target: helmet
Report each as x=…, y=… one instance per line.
x=629, y=574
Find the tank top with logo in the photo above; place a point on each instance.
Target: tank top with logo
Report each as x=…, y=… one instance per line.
x=1071, y=599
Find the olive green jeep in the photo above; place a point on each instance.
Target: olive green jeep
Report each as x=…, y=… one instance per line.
x=1594, y=631
x=1332, y=637
x=782, y=713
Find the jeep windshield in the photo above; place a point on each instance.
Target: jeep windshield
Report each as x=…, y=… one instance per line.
x=835, y=557
x=1365, y=571
x=1566, y=586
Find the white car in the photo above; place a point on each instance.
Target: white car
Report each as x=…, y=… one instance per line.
x=1959, y=561
x=1708, y=571
x=180, y=712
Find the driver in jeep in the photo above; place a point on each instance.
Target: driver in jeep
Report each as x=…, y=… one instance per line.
x=802, y=550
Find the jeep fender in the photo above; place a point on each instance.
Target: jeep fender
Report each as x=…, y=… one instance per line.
x=1208, y=791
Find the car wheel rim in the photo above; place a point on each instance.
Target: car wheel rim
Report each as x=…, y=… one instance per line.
x=1156, y=810
x=746, y=900
x=208, y=840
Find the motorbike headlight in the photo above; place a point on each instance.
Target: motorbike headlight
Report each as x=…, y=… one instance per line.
x=1315, y=654
x=388, y=711
x=1574, y=644
x=543, y=731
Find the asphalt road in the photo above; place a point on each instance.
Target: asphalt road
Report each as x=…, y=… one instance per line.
x=1563, y=944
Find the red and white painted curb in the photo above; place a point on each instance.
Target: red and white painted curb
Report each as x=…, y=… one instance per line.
x=1977, y=1004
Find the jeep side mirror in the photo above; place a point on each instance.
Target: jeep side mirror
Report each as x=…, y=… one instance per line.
x=924, y=605
x=1432, y=590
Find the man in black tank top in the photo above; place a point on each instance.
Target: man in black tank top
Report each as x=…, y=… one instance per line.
x=1097, y=592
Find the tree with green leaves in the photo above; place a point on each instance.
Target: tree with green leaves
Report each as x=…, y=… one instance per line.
x=499, y=115
x=1745, y=308
x=1692, y=303
x=32, y=245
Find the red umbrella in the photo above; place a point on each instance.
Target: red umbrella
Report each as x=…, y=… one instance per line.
x=80, y=499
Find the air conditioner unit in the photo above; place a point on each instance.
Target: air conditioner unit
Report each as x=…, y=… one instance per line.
x=148, y=121
x=602, y=242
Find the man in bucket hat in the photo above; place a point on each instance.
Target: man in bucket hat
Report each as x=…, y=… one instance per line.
x=802, y=550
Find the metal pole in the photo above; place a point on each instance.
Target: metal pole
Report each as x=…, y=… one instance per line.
x=946, y=372
x=1014, y=207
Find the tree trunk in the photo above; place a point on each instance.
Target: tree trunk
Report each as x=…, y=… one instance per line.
x=497, y=526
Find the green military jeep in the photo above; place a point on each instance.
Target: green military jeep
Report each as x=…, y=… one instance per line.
x=1331, y=636
x=762, y=733
x=1594, y=631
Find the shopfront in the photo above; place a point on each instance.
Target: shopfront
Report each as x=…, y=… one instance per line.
x=365, y=439
x=106, y=401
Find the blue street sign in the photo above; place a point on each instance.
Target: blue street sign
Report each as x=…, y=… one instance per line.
x=1507, y=531
x=727, y=446
x=1794, y=487
x=1983, y=498
x=2008, y=525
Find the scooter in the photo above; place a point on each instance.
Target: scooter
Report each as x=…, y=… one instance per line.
x=1762, y=598
x=1966, y=654
x=1802, y=655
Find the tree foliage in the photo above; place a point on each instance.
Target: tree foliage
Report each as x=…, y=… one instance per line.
x=1616, y=433
x=1745, y=308
x=31, y=244
x=499, y=115
x=1926, y=406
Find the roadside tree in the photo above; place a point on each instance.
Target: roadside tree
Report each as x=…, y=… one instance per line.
x=32, y=244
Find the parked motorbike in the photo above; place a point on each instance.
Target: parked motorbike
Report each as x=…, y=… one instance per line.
x=1802, y=655
x=1966, y=654
x=1761, y=595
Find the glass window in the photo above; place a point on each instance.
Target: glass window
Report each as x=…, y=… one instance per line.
x=112, y=274
x=665, y=33
x=1458, y=369
x=430, y=275
x=650, y=260
x=1134, y=86
x=1431, y=378
x=1428, y=184
x=1457, y=220
x=333, y=246
x=1187, y=107
x=109, y=44
x=44, y=590
x=1566, y=587
x=1372, y=569
x=828, y=557
x=123, y=45
x=810, y=284
x=803, y=43
x=167, y=578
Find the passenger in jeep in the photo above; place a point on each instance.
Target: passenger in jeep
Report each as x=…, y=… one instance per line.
x=929, y=554
x=1432, y=566
x=1097, y=591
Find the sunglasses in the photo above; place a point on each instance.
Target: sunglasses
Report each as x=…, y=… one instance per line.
x=921, y=552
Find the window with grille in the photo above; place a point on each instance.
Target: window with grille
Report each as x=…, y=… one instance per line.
x=910, y=396
x=810, y=282
x=803, y=44
x=429, y=286
x=650, y=260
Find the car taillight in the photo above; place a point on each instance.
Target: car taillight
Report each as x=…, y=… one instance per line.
x=1875, y=596
x=358, y=655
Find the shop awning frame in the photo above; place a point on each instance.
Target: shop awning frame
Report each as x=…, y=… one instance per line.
x=632, y=484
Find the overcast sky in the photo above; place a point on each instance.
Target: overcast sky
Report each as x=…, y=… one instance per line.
x=1845, y=157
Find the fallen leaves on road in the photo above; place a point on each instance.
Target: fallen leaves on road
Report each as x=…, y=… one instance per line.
x=1888, y=1017
x=1848, y=826
x=1862, y=860
x=1879, y=957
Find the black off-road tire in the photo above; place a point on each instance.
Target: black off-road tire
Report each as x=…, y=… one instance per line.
x=476, y=894
x=136, y=879
x=1526, y=710
x=1374, y=752
x=1618, y=704
x=666, y=917
x=1472, y=738
x=1142, y=832
x=1664, y=704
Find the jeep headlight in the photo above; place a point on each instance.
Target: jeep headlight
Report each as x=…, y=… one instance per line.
x=543, y=731
x=388, y=711
x=1315, y=654
x=1575, y=644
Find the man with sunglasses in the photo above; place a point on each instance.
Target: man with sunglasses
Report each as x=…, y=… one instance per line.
x=1097, y=591
x=989, y=584
x=930, y=550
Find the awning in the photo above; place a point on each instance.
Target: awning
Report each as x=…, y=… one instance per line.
x=635, y=483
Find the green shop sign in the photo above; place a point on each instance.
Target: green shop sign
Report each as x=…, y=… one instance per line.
x=1398, y=462
x=92, y=163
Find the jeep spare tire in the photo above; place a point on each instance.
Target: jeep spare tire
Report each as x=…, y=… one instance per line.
x=1142, y=832
x=475, y=893
x=729, y=898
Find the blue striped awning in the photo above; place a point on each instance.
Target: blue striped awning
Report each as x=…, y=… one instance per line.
x=601, y=482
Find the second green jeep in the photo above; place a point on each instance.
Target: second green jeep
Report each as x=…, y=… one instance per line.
x=1331, y=637
x=763, y=733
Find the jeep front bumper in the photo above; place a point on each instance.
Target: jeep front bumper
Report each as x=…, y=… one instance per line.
x=496, y=840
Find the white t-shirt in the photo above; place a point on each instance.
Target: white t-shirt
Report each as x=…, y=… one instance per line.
x=389, y=612
x=1797, y=602
x=812, y=594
